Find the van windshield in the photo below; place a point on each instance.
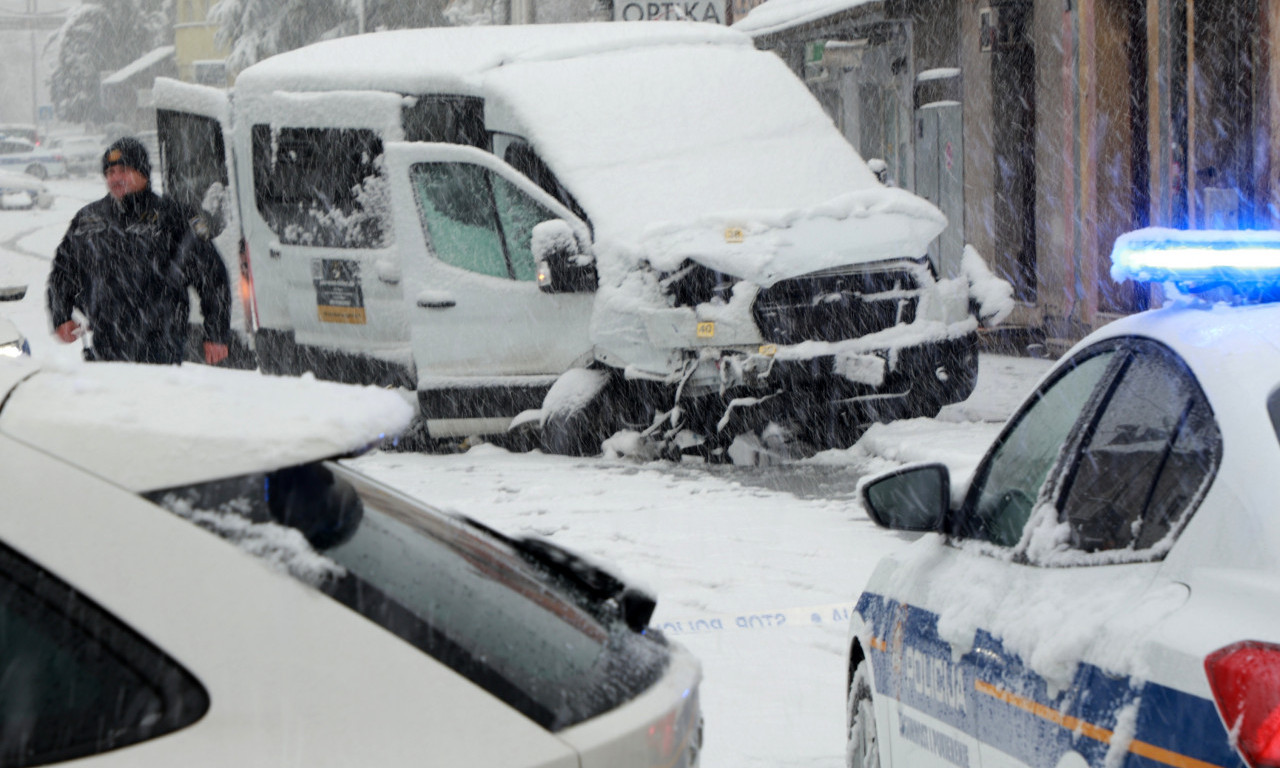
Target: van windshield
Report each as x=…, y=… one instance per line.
x=449, y=587
x=321, y=186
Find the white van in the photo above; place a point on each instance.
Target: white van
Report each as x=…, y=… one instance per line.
x=656, y=218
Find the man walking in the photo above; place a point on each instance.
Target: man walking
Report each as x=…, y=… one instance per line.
x=126, y=262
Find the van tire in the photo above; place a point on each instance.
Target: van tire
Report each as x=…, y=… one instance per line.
x=580, y=431
x=574, y=433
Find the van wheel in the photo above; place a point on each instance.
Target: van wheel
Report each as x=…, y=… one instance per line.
x=575, y=433
x=863, y=747
x=37, y=170
x=581, y=411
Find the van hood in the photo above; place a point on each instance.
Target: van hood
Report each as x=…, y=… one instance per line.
x=766, y=247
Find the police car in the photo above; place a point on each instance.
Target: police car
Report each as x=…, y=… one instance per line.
x=1104, y=590
x=189, y=577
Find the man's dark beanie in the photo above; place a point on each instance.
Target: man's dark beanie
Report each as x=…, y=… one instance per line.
x=130, y=152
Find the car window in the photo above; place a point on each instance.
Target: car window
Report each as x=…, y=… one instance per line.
x=75, y=681
x=1152, y=448
x=520, y=214
x=459, y=594
x=193, y=156
x=321, y=186
x=477, y=220
x=446, y=118
x=456, y=204
x=1010, y=481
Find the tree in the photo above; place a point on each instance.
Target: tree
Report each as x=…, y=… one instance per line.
x=255, y=29
x=97, y=37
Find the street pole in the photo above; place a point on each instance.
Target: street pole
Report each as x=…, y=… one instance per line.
x=35, y=96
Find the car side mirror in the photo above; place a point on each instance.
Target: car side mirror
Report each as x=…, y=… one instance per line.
x=564, y=266
x=914, y=498
x=880, y=168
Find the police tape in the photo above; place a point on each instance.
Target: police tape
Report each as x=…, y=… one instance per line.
x=811, y=616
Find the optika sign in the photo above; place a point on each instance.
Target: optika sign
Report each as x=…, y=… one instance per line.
x=697, y=10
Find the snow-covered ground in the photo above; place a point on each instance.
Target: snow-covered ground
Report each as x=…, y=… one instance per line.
x=755, y=568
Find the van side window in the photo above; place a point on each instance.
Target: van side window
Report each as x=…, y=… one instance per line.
x=477, y=220
x=520, y=155
x=321, y=186
x=76, y=681
x=448, y=120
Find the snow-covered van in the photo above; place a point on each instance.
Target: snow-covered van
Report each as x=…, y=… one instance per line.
x=585, y=228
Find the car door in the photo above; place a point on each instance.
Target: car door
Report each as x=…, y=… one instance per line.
x=477, y=318
x=1068, y=518
x=193, y=134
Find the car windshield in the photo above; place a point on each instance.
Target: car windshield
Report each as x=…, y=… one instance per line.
x=465, y=597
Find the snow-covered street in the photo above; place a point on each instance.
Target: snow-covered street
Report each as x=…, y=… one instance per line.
x=754, y=568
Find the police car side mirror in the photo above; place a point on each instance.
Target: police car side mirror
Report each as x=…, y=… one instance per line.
x=564, y=266
x=913, y=498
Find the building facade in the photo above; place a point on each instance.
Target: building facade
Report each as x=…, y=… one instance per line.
x=1079, y=120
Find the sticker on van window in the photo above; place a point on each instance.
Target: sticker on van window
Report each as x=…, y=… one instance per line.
x=339, y=298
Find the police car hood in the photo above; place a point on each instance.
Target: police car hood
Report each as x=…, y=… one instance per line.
x=767, y=246
x=149, y=427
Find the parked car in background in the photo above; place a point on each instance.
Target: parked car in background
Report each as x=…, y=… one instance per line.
x=1102, y=592
x=22, y=155
x=23, y=191
x=25, y=131
x=83, y=153
x=186, y=557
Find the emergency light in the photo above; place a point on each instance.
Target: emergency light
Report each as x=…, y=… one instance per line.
x=1200, y=260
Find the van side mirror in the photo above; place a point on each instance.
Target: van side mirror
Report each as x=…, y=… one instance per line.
x=564, y=266
x=913, y=498
x=880, y=168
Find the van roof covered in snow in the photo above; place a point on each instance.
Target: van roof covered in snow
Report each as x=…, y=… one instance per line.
x=450, y=59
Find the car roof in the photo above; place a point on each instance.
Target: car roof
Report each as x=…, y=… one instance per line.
x=1231, y=349
x=151, y=427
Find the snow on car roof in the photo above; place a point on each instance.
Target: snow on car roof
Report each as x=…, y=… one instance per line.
x=441, y=58
x=152, y=427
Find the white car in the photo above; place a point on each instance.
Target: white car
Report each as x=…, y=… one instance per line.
x=1103, y=590
x=83, y=153
x=187, y=578
x=21, y=155
x=23, y=191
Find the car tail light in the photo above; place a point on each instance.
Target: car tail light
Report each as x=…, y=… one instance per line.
x=1245, y=680
x=247, y=298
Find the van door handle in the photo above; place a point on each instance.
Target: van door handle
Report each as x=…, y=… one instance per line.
x=437, y=303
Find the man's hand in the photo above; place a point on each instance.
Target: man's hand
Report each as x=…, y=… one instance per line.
x=214, y=352
x=70, y=331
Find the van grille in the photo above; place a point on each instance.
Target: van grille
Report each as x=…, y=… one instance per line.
x=836, y=305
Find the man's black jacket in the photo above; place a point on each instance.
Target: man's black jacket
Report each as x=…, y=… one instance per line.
x=127, y=265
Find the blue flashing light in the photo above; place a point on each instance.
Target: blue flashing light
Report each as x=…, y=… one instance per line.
x=1199, y=260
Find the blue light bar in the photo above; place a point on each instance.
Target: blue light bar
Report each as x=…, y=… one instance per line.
x=1197, y=257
